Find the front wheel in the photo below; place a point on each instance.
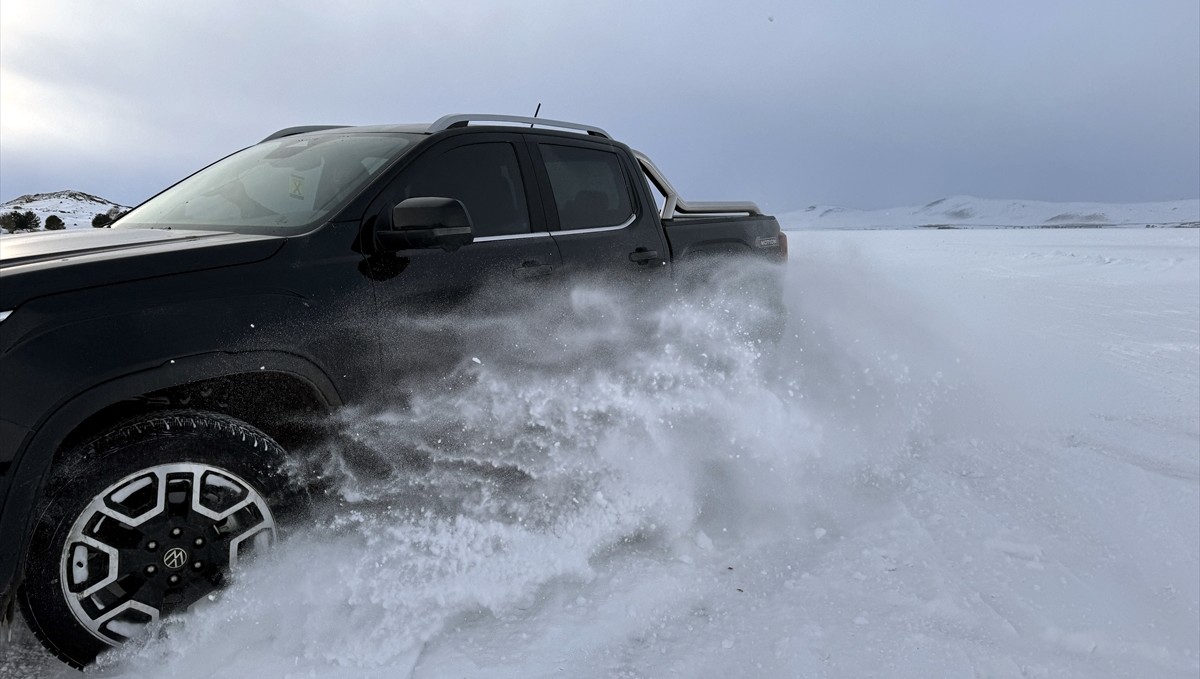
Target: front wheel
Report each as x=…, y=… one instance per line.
x=142, y=523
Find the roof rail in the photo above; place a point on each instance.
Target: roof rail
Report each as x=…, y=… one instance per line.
x=289, y=131
x=462, y=119
x=672, y=203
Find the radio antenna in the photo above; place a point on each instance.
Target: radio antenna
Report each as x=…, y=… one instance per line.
x=536, y=111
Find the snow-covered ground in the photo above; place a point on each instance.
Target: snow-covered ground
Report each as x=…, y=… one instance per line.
x=975, y=454
x=966, y=212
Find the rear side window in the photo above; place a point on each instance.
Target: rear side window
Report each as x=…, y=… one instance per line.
x=589, y=186
x=485, y=177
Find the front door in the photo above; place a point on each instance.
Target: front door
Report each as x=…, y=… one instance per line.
x=431, y=300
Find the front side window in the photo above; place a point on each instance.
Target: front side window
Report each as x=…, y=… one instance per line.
x=485, y=177
x=589, y=187
x=289, y=182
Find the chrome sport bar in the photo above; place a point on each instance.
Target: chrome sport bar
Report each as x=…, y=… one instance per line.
x=673, y=203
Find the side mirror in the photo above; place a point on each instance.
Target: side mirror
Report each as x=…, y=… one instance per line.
x=427, y=223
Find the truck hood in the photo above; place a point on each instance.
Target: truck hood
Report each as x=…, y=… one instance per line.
x=38, y=264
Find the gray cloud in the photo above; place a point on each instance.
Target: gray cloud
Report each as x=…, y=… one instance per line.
x=863, y=104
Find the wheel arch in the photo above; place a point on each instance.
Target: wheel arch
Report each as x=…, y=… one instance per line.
x=232, y=378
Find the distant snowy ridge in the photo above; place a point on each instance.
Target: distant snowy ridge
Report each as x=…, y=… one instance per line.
x=75, y=208
x=970, y=212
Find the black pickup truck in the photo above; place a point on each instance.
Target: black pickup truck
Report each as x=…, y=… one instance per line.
x=151, y=373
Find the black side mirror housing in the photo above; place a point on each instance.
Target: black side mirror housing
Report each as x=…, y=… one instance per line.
x=427, y=222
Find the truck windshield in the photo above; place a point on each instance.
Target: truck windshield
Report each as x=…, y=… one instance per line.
x=281, y=184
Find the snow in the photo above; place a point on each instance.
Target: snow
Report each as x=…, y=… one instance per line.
x=975, y=453
x=971, y=212
x=75, y=208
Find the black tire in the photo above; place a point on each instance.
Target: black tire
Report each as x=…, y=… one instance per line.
x=156, y=507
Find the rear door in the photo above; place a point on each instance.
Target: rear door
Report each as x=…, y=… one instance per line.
x=600, y=222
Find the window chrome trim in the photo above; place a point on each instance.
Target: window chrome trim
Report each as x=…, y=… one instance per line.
x=511, y=236
x=597, y=229
x=5, y=314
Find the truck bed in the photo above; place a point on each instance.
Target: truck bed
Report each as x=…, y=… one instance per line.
x=707, y=235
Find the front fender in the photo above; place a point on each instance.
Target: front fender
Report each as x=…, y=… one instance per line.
x=31, y=458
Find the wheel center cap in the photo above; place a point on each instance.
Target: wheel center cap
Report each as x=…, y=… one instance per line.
x=175, y=557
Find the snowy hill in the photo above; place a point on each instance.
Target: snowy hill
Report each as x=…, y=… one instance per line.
x=75, y=208
x=972, y=212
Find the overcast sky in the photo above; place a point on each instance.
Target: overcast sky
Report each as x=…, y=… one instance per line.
x=785, y=102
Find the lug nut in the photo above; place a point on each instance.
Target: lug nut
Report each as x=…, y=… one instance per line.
x=197, y=565
x=199, y=542
x=152, y=545
x=176, y=532
x=174, y=579
x=151, y=570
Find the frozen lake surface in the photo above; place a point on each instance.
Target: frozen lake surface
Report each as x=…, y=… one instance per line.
x=975, y=453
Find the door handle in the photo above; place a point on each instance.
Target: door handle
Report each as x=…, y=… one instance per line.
x=532, y=270
x=642, y=255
